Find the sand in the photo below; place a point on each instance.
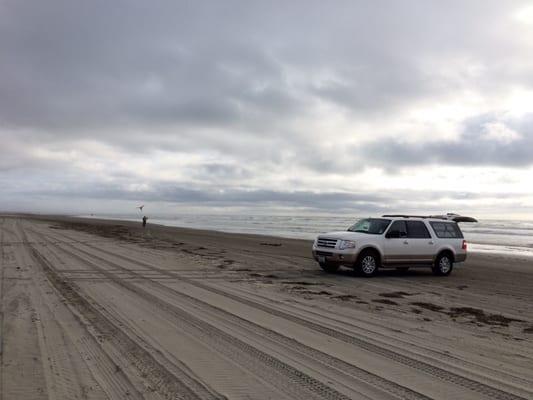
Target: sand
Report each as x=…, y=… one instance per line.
x=94, y=309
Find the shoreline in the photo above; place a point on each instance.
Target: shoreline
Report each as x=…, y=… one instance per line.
x=475, y=247
x=245, y=244
x=301, y=248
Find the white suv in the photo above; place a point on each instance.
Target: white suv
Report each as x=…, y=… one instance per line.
x=398, y=241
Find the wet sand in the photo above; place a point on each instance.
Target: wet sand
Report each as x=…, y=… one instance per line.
x=96, y=309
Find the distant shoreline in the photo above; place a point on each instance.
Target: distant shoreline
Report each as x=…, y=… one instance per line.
x=476, y=246
x=132, y=224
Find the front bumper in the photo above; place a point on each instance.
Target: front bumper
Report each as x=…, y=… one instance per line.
x=334, y=256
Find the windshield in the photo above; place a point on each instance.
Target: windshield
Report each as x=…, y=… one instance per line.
x=374, y=226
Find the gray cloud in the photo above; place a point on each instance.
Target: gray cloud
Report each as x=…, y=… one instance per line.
x=251, y=95
x=213, y=196
x=99, y=65
x=69, y=65
x=331, y=201
x=165, y=199
x=475, y=146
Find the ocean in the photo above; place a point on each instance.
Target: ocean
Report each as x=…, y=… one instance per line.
x=492, y=236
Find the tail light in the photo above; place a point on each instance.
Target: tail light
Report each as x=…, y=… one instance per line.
x=464, y=244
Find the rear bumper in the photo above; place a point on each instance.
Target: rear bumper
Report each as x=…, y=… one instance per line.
x=333, y=256
x=460, y=257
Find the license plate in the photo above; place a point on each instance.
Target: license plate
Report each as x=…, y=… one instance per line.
x=321, y=259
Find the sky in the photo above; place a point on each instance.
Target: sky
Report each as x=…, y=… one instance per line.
x=352, y=106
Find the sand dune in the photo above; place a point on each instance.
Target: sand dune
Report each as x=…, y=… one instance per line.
x=106, y=310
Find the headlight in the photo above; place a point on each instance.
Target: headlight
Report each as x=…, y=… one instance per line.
x=346, y=244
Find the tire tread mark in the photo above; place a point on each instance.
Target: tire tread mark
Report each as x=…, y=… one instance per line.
x=425, y=367
x=221, y=340
x=170, y=385
x=2, y=286
x=343, y=366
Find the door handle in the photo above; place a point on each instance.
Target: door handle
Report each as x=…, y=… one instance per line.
x=431, y=242
x=405, y=242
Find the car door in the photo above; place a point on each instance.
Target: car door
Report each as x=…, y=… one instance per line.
x=421, y=244
x=396, y=248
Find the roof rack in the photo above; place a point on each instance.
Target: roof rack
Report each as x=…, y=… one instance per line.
x=405, y=216
x=448, y=217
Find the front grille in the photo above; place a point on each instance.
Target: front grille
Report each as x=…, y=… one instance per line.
x=327, y=243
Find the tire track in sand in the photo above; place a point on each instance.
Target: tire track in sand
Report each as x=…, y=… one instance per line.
x=297, y=383
x=422, y=366
x=224, y=342
x=167, y=383
x=2, y=262
x=290, y=344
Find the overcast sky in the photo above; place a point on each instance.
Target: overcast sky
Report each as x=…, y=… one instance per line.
x=299, y=106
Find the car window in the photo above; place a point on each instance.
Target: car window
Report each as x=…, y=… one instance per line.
x=375, y=226
x=446, y=230
x=399, y=226
x=417, y=230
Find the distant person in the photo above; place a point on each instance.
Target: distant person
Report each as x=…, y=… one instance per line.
x=144, y=221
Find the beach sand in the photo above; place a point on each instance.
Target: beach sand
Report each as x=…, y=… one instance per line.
x=95, y=309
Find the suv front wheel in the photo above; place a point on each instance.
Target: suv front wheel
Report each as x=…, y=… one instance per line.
x=367, y=263
x=443, y=265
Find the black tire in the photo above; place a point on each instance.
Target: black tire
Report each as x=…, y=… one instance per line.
x=368, y=263
x=443, y=264
x=329, y=268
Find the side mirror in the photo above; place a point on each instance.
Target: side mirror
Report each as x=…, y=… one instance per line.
x=393, y=235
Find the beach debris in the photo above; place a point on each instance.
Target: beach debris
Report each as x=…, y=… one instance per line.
x=427, y=306
x=396, y=295
x=345, y=297
x=481, y=316
x=302, y=290
x=303, y=283
x=385, y=301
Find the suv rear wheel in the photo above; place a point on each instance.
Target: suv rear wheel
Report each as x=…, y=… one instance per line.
x=367, y=263
x=329, y=268
x=443, y=264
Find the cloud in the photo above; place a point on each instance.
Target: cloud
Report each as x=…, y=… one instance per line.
x=262, y=102
x=220, y=197
x=73, y=66
x=485, y=140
